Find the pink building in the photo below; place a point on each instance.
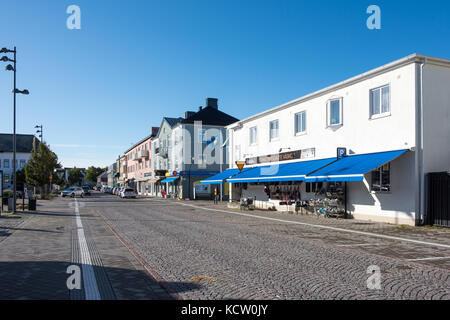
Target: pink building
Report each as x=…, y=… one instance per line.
x=138, y=160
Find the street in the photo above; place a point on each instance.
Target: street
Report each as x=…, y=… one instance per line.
x=150, y=248
x=232, y=256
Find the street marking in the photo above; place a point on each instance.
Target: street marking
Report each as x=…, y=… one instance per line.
x=90, y=283
x=370, y=234
x=429, y=259
x=358, y=245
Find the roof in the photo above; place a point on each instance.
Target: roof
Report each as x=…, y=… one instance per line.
x=211, y=116
x=172, y=121
x=152, y=135
x=24, y=142
x=413, y=58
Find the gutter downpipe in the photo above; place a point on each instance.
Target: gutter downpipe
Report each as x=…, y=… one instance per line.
x=419, y=158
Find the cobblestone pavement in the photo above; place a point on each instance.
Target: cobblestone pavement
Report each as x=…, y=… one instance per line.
x=231, y=256
x=37, y=248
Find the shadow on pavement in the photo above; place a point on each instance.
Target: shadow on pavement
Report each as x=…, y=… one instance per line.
x=47, y=280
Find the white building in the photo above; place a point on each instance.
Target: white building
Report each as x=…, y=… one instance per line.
x=24, y=147
x=403, y=106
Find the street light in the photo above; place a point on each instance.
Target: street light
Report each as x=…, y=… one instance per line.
x=41, y=131
x=15, y=91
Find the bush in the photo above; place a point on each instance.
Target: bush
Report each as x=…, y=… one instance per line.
x=8, y=194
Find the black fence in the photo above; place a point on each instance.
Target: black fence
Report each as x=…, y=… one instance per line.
x=438, y=199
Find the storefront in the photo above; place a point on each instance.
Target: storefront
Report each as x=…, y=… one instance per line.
x=333, y=186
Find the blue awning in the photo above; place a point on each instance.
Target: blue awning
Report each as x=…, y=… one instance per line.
x=218, y=178
x=295, y=171
x=170, y=179
x=353, y=168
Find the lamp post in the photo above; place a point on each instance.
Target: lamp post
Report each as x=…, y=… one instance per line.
x=15, y=91
x=41, y=131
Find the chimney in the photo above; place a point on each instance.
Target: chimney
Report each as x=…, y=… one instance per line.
x=187, y=114
x=212, y=102
x=200, y=108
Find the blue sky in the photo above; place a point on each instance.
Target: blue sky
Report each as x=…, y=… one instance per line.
x=99, y=89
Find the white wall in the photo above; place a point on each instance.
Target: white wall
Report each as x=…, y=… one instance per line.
x=436, y=118
x=358, y=133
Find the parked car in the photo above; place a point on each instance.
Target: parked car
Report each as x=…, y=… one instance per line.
x=86, y=190
x=67, y=192
x=128, y=193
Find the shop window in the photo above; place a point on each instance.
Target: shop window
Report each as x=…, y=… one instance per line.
x=381, y=179
x=300, y=122
x=274, y=130
x=380, y=101
x=334, y=112
x=313, y=187
x=253, y=133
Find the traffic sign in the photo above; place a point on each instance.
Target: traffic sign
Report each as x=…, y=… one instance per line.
x=240, y=165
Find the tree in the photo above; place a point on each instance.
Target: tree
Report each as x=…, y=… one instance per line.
x=40, y=167
x=75, y=176
x=92, y=173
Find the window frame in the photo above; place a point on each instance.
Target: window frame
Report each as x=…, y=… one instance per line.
x=381, y=114
x=341, y=112
x=304, y=131
x=255, y=136
x=278, y=130
x=380, y=171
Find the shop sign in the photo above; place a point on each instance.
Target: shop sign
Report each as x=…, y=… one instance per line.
x=286, y=156
x=147, y=174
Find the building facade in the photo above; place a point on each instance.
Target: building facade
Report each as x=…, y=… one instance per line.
x=138, y=164
x=401, y=107
x=190, y=149
x=24, y=147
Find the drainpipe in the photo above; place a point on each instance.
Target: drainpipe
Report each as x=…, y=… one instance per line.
x=419, y=159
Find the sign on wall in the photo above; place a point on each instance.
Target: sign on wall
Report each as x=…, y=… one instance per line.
x=286, y=156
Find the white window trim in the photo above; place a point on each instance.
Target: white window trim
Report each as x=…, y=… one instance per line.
x=381, y=114
x=304, y=132
x=270, y=131
x=250, y=136
x=341, y=112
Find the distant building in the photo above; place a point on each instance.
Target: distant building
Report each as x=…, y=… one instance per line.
x=138, y=164
x=189, y=149
x=24, y=147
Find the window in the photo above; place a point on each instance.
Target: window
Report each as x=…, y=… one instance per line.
x=22, y=163
x=313, y=187
x=253, y=133
x=202, y=135
x=334, y=112
x=6, y=163
x=380, y=100
x=6, y=178
x=381, y=179
x=274, y=130
x=300, y=122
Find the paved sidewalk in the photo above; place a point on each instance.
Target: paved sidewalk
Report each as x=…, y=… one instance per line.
x=37, y=248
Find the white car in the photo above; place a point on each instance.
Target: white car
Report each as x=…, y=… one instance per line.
x=77, y=192
x=128, y=193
